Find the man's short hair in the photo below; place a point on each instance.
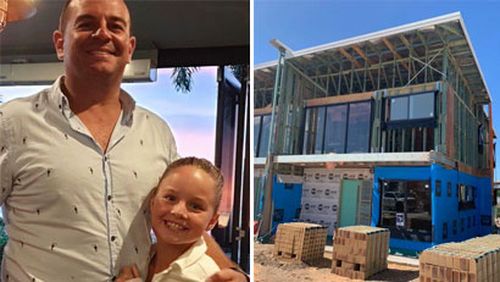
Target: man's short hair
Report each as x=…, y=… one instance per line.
x=63, y=17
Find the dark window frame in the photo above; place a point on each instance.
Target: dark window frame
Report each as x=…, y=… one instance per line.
x=428, y=236
x=348, y=108
x=426, y=124
x=408, y=122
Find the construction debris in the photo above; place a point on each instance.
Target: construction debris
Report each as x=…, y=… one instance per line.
x=302, y=241
x=473, y=260
x=360, y=251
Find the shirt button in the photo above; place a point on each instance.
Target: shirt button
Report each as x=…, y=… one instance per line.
x=110, y=197
x=113, y=238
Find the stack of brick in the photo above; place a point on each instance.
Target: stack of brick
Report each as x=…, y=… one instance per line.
x=360, y=251
x=474, y=260
x=301, y=241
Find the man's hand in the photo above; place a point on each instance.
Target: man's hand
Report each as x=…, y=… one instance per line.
x=227, y=275
x=127, y=273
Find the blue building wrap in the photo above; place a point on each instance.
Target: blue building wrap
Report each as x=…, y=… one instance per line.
x=461, y=223
x=286, y=202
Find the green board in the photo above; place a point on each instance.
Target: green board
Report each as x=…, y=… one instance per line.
x=349, y=202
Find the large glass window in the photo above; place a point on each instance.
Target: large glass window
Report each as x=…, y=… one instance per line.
x=358, y=132
x=336, y=123
x=341, y=128
x=412, y=107
x=406, y=209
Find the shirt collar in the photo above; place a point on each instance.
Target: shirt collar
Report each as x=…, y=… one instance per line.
x=59, y=101
x=128, y=106
x=192, y=255
x=188, y=258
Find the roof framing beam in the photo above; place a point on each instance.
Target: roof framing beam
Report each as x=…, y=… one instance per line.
x=391, y=47
x=349, y=57
x=362, y=54
x=306, y=77
x=368, y=63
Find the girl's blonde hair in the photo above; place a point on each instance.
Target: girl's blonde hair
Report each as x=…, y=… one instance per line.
x=202, y=164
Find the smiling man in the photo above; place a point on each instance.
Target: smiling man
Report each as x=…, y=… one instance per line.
x=78, y=159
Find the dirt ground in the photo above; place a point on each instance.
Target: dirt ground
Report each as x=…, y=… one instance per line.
x=267, y=268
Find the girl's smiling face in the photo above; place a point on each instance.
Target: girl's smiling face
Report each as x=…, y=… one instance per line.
x=184, y=206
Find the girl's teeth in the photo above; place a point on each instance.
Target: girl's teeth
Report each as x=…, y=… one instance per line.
x=175, y=226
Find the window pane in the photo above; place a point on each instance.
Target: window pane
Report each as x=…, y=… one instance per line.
x=399, y=108
x=358, y=132
x=320, y=128
x=422, y=106
x=419, y=211
x=406, y=209
x=256, y=128
x=264, y=136
x=336, y=118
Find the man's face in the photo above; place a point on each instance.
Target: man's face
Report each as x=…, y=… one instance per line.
x=96, y=38
x=184, y=206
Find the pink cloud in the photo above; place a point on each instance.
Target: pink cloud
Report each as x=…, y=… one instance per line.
x=197, y=144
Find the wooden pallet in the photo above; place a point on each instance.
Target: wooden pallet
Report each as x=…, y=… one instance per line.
x=301, y=241
x=360, y=251
x=474, y=260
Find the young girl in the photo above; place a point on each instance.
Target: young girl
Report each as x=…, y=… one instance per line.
x=183, y=207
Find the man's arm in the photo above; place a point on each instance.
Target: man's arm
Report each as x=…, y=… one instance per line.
x=5, y=162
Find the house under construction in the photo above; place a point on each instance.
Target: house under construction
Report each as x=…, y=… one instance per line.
x=390, y=129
